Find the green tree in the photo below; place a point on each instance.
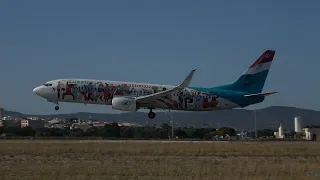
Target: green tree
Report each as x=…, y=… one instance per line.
x=77, y=132
x=138, y=132
x=126, y=132
x=112, y=130
x=180, y=133
x=198, y=134
x=266, y=132
x=1, y=130
x=12, y=131
x=210, y=135
x=56, y=132
x=226, y=131
x=27, y=131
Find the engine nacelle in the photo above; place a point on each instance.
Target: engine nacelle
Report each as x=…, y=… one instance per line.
x=124, y=104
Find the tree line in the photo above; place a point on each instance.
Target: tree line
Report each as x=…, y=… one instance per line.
x=113, y=130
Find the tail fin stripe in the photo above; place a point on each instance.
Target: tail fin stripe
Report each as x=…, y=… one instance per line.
x=259, y=68
x=266, y=57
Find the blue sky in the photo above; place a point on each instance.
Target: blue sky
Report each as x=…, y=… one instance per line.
x=157, y=42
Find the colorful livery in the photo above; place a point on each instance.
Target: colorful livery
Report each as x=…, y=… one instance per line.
x=130, y=96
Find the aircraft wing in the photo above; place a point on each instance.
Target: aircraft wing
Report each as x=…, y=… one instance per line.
x=183, y=85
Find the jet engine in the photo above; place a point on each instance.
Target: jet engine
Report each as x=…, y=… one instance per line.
x=124, y=104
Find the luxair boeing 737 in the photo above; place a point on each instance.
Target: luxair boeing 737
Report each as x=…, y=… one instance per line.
x=131, y=96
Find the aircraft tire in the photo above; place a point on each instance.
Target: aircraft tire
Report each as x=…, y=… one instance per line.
x=151, y=115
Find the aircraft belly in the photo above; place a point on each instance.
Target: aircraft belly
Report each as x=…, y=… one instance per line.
x=190, y=103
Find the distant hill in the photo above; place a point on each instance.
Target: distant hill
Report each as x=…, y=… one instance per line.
x=269, y=117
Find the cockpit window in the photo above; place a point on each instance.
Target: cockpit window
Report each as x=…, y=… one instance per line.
x=48, y=84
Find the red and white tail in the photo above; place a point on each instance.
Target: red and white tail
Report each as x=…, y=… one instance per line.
x=253, y=79
x=263, y=63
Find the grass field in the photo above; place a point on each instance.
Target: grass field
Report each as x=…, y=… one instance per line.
x=68, y=160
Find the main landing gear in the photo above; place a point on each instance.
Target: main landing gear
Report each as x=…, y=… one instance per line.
x=151, y=114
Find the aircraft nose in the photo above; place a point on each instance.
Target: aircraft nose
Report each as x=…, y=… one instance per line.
x=37, y=90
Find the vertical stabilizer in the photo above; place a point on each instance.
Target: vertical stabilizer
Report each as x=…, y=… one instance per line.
x=254, y=78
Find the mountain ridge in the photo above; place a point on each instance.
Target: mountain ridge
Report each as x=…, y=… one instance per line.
x=269, y=117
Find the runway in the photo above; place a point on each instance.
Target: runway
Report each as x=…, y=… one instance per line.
x=105, y=141
x=68, y=141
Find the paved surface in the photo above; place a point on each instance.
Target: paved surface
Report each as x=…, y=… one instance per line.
x=149, y=141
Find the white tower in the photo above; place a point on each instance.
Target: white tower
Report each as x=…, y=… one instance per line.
x=281, y=134
x=297, y=124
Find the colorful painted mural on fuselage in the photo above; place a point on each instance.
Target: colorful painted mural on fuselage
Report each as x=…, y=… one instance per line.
x=102, y=92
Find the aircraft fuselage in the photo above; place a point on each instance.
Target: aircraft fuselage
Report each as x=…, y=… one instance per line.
x=101, y=92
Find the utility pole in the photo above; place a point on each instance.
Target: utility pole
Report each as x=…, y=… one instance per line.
x=255, y=124
x=172, y=126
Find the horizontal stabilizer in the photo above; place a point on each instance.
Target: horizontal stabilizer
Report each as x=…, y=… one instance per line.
x=260, y=94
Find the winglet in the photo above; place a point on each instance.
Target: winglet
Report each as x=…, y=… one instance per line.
x=188, y=79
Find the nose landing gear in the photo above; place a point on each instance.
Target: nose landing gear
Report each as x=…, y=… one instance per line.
x=57, y=105
x=151, y=114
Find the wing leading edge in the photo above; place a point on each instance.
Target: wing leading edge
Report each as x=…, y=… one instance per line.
x=154, y=96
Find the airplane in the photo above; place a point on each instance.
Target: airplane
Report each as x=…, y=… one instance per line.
x=246, y=90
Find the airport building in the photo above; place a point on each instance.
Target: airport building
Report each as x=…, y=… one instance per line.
x=297, y=124
x=34, y=124
x=312, y=134
x=280, y=133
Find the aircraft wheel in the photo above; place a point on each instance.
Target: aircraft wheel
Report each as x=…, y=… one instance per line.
x=56, y=108
x=151, y=115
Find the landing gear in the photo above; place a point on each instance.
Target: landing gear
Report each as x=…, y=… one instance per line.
x=57, y=105
x=151, y=114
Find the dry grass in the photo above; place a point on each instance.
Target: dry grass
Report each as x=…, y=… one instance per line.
x=68, y=160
